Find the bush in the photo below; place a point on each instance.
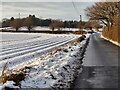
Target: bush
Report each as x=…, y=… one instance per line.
x=81, y=38
x=79, y=32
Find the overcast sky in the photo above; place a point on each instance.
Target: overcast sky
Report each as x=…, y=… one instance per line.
x=55, y=10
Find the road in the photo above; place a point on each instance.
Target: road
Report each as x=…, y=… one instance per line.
x=100, y=66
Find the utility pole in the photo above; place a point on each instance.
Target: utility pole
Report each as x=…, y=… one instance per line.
x=19, y=15
x=80, y=22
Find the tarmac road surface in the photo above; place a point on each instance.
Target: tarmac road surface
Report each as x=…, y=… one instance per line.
x=100, y=66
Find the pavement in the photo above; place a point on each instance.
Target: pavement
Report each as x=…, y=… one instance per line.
x=100, y=66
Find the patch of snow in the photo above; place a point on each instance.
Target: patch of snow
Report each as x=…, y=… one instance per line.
x=39, y=28
x=51, y=70
x=23, y=29
x=22, y=51
x=9, y=84
x=48, y=70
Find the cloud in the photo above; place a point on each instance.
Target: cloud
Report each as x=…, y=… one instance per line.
x=52, y=0
x=60, y=10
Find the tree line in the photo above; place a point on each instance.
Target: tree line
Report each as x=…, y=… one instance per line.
x=32, y=21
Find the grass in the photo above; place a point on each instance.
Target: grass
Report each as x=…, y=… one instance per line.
x=12, y=75
x=81, y=38
x=80, y=32
x=113, y=33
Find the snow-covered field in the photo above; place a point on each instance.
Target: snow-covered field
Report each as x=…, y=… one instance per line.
x=17, y=47
x=48, y=69
x=39, y=28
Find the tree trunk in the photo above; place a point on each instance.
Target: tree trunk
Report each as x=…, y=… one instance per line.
x=16, y=29
x=29, y=28
x=52, y=28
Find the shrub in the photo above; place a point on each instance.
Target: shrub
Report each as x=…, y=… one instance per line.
x=79, y=32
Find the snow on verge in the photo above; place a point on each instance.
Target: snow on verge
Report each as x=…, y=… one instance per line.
x=116, y=43
x=56, y=69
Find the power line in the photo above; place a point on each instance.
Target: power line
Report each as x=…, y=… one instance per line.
x=77, y=12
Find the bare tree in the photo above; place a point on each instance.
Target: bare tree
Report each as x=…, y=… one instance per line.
x=88, y=25
x=104, y=12
x=56, y=24
x=28, y=23
x=93, y=24
x=16, y=23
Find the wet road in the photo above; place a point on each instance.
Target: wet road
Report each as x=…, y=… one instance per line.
x=100, y=66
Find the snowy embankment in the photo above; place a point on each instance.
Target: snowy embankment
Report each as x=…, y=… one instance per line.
x=116, y=43
x=43, y=58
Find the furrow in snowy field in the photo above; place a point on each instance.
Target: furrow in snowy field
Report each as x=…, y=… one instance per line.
x=25, y=44
x=34, y=45
x=23, y=59
x=11, y=55
x=18, y=38
x=33, y=49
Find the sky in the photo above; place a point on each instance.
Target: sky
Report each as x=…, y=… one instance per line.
x=54, y=10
